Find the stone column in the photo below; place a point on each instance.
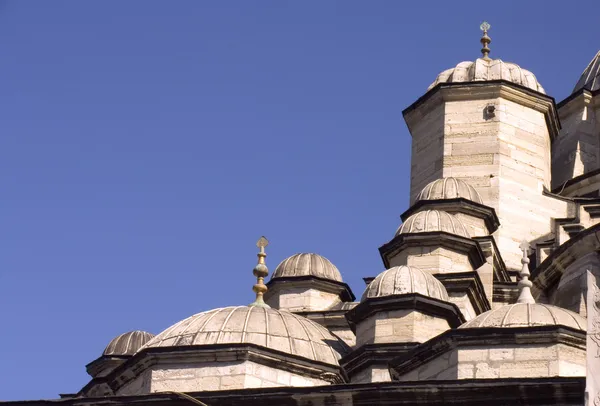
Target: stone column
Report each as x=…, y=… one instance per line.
x=592, y=390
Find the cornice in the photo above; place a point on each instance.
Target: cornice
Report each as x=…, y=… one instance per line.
x=443, y=239
x=467, y=282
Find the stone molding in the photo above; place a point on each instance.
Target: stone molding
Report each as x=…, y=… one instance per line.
x=469, y=282
x=443, y=239
x=485, y=337
x=188, y=355
x=458, y=91
x=409, y=301
x=105, y=362
x=460, y=205
x=311, y=282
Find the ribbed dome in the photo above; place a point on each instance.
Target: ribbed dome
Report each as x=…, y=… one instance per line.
x=270, y=328
x=485, y=70
x=127, y=343
x=307, y=264
x=449, y=188
x=405, y=279
x=527, y=315
x=590, y=78
x=433, y=220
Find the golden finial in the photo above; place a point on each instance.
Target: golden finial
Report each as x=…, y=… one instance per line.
x=485, y=40
x=260, y=271
x=525, y=284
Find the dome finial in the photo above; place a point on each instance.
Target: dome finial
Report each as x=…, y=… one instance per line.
x=525, y=284
x=485, y=40
x=260, y=271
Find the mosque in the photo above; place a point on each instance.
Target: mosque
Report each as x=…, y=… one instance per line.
x=490, y=294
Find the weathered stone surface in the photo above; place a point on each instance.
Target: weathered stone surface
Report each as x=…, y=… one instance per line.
x=593, y=340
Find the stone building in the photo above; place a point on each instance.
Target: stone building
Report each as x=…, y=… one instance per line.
x=489, y=288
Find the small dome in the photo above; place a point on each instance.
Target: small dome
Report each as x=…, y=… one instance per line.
x=527, y=315
x=405, y=279
x=449, y=188
x=127, y=343
x=270, y=328
x=433, y=220
x=590, y=78
x=483, y=70
x=307, y=265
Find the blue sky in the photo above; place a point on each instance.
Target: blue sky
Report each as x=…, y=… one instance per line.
x=146, y=145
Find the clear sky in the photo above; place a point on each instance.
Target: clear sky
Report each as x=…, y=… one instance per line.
x=146, y=145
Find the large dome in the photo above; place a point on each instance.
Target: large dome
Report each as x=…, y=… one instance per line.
x=307, y=264
x=403, y=280
x=449, y=188
x=527, y=315
x=127, y=343
x=483, y=70
x=433, y=220
x=270, y=328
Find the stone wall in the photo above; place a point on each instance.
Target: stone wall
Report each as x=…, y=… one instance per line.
x=214, y=376
x=433, y=260
x=399, y=326
x=527, y=361
x=301, y=298
x=372, y=373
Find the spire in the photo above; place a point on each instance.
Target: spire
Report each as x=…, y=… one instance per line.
x=525, y=284
x=485, y=40
x=260, y=271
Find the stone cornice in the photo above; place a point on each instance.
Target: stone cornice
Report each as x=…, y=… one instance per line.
x=443, y=239
x=577, y=100
x=489, y=392
x=187, y=355
x=458, y=91
x=373, y=354
x=505, y=292
x=549, y=272
x=485, y=337
x=461, y=205
x=340, y=288
x=467, y=282
x=410, y=301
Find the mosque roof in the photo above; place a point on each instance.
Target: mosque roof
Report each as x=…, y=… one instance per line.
x=590, y=78
x=449, y=188
x=405, y=280
x=307, y=264
x=274, y=329
x=433, y=220
x=127, y=343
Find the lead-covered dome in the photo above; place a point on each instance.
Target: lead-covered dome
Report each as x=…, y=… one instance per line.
x=449, y=188
x=307, y=264
x=127, y=343
x=274, y=329
x=404, y=280
x=433, y=220
x=483, y=70
x=527, y=315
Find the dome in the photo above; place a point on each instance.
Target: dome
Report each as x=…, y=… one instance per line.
x=307, y=265
x=590, y=78
x=488, y=69
x=405, y=279
x=267, y=327
x=433, y=220
x=449, y=188
x=127, y=343
x=527, y=315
